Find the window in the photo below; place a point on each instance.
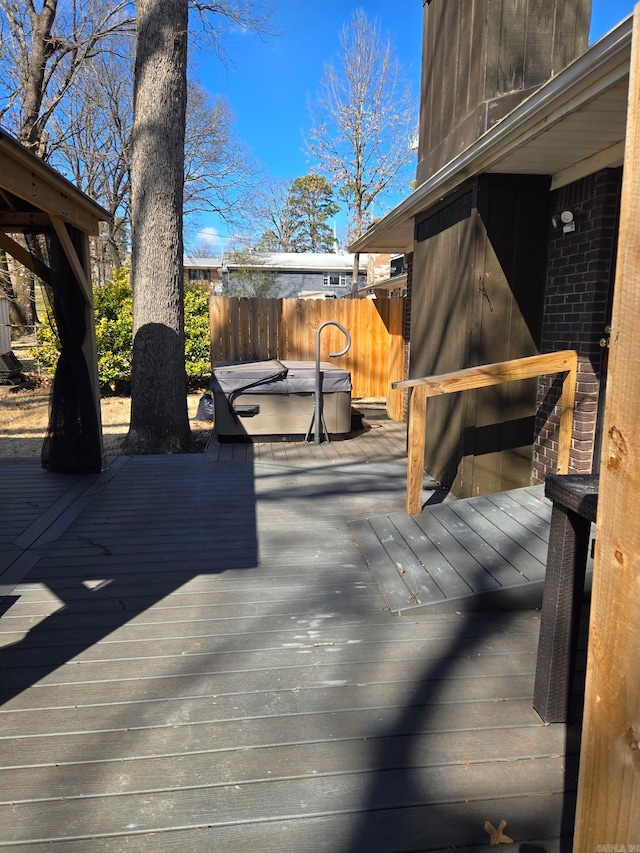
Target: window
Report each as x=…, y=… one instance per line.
x=334, y=279
x=198, y=275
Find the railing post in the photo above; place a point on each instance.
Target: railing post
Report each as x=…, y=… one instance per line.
x=416, y=436
x=484, y=376
x=567, y=403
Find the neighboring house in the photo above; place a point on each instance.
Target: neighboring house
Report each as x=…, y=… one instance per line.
x=511, y=234
x=205, y=270
x=386, y=276
x=278, y=274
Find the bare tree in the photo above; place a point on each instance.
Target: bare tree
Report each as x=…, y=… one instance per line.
x=271, y=215
x=219, y=172
x=42, y=52
x=159, y=421
x=94, y=146
x=213, y=22
x=95, y=149
x=201, y=249
x=66, y=72
x=363, y=122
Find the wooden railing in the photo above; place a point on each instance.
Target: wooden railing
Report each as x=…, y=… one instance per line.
x=483, y=376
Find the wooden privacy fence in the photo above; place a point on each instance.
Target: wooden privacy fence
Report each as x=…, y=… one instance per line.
x=247, y=329
x=484, y=376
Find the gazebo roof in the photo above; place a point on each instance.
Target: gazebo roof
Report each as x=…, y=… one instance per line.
x=31, y=192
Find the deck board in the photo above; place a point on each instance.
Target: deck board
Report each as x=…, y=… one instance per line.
x=453, y=825
x=485, y=552
x=199, y=657
x=226, y=803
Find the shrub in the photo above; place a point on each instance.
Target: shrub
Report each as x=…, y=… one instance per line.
x=113, y=305
x=197, y=334
x=47, y=349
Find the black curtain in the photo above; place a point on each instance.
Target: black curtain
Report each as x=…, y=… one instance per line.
x=72, y=443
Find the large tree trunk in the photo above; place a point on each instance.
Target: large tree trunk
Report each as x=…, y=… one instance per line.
x=159, y=420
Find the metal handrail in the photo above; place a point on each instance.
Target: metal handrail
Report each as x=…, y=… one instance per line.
x=317, y=418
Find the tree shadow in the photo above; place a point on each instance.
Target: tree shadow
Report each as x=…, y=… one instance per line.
x=159, y=523
x=411, y=802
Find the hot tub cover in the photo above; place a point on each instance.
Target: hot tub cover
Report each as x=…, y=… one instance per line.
x=279, y=377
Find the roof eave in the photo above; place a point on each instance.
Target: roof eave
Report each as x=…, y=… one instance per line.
x=595, y=70
x=37, y=183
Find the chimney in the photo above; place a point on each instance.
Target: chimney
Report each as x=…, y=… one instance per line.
x=481, y=58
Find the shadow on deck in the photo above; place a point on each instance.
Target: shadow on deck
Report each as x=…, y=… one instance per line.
x=197, y=657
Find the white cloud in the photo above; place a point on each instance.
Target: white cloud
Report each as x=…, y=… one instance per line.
x=212, y=237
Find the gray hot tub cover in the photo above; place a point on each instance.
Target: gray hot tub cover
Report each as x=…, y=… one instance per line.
x=279, y=377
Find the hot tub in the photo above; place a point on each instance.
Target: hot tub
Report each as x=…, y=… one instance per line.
x=276, y=398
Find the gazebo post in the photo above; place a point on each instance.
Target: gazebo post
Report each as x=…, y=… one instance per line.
x=81, y=267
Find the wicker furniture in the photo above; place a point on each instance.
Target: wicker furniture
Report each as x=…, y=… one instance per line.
x=575, y=501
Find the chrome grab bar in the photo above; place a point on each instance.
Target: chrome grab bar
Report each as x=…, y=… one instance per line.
x=317, y=418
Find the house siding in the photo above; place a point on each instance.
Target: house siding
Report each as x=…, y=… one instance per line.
x=481, y=59
x=288, y=284
x=408, y=262
x=478, y=284
x=580, y=272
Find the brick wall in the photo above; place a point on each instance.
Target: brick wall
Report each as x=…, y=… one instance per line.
x=378, y=267
x=576, y=309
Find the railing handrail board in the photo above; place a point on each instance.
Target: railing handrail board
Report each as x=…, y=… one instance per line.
x=483, y=376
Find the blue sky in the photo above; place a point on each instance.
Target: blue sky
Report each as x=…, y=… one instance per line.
x=270, y=81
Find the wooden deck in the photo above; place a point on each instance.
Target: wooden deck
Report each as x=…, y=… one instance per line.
x=195, y=656
x=483, y=553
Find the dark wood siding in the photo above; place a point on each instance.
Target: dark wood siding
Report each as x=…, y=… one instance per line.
x=481, y=57
x=477, y=298
x=440, y=321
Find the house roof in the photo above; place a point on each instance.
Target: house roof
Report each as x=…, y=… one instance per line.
x=202, y=263
x=570, y=127
x=298, y=261
x=31, y=192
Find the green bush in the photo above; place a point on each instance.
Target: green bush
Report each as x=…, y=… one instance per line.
x=113, y=305
x=47, y=349
x=197, y=333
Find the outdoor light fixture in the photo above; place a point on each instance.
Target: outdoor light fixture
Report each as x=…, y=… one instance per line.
x=565, y=220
